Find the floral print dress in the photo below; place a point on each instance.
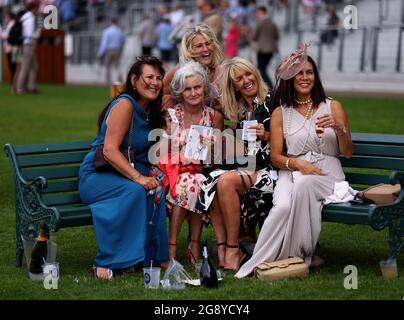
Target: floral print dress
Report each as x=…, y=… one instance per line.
x=188, y=185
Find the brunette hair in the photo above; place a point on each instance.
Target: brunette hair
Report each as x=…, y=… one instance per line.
x=286, y=90
x=156, y=119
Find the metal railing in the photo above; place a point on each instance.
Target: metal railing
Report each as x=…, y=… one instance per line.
x=369, y=46
x=400, y=43
x=85, y=46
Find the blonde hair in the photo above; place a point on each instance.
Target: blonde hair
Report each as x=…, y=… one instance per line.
x=232, y=101
x=186, y=52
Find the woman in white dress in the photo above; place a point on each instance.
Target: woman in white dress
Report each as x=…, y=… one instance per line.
x=309, y=167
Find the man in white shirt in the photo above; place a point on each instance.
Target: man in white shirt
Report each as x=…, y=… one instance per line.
x=29, y=64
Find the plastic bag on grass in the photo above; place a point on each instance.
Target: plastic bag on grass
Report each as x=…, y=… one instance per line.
x=175, y=276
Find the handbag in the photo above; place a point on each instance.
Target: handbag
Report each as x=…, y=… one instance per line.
x=102, y=165
x=293, y=267
x=382, y=193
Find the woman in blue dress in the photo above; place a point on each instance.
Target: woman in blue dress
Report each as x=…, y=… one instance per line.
x=130, y=228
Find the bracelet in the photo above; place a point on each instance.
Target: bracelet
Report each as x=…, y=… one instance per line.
x=135, y=176
x=287, y=164
x=341, y=131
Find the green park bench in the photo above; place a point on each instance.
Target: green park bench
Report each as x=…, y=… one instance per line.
x=46, y=189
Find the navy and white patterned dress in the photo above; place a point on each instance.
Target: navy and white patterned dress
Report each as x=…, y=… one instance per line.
x=258, y=199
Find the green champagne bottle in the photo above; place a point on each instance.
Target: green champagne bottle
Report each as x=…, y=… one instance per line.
x=39, y=252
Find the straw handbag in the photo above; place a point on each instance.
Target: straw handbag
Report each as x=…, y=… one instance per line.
x=382, y=193
x=289, y=268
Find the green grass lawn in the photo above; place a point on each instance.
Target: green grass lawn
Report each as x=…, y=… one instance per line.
x=68, y=113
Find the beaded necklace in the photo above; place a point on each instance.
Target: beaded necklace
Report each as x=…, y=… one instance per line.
x=306, y=117
x=303, y=102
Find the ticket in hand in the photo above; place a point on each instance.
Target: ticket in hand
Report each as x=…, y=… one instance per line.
x=247, y=134
x=173, y=117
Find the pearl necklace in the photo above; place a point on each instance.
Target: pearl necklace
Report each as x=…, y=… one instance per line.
x=304, y=102
x=306, y=117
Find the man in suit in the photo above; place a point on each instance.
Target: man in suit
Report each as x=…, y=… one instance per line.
x=266, y=35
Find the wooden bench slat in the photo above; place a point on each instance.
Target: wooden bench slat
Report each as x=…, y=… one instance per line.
x=51, y=173
x=345, y=213
x=51, y=147
x=378, y=150
x=366, y=178
x=359, y=137
x=61, y=199
x=51, y=159
x=75, y=216
x=373, y=162
x=61, y=186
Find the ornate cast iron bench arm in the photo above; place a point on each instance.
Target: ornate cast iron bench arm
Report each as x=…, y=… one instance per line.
x=391, y=216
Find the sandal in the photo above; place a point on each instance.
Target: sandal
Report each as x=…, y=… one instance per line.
x=189, y=255
x=221, y=267
x=243, y=259
x=110, y=273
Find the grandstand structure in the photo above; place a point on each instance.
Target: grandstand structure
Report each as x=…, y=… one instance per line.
x=372, y=53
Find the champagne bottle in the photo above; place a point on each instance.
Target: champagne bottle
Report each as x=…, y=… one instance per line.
x=207, y=274
x=39, y=252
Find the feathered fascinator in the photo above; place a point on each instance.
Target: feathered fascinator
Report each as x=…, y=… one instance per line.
x=293, y=63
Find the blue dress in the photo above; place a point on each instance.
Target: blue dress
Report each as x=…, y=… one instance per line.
x=129, y=228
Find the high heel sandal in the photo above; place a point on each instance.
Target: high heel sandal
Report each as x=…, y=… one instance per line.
x=219, y=245
x=189, y=255
x=245, y=256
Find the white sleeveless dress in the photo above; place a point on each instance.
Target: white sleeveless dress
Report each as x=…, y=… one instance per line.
x=293, y=225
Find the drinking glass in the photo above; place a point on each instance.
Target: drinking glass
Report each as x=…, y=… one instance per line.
x=320, y=134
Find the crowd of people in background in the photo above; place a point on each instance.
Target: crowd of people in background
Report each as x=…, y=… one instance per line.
x=237, y=24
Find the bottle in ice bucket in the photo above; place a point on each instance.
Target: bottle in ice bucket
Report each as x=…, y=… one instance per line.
x=39, y=252
x=207, y=273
